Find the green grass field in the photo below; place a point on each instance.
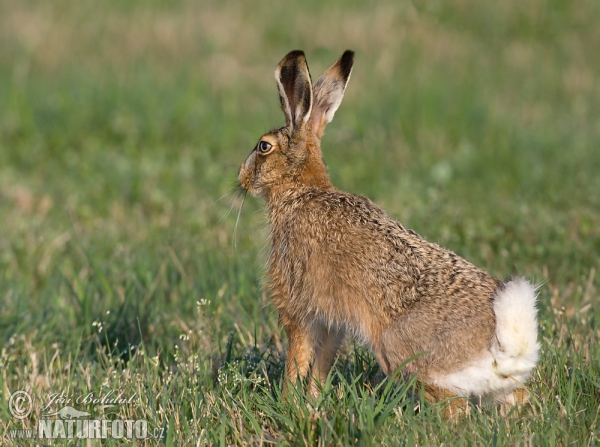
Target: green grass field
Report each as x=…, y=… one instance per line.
x=122, y=125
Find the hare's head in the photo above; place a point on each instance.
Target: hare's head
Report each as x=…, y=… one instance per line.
x=290, y=157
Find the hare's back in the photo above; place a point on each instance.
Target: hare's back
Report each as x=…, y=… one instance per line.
x=357, y=243
x=427, y=297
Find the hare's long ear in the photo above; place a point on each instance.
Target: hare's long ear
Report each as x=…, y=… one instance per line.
x=329, y=91
x=295, y=89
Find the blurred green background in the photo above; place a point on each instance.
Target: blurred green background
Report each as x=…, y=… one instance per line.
x=122, y=125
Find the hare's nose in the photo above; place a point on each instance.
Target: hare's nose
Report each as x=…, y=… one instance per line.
x=249, y=161
x=243, y=172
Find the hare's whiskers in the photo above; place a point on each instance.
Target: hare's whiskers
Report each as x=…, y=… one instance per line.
x=232, y=202
x=237, y=220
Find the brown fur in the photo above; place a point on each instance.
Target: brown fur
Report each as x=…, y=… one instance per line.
x=338, y=264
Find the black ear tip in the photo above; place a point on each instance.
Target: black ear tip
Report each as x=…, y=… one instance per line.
x=346, y=62
x=294, y=55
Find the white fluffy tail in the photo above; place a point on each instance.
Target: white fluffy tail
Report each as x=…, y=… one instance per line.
x=515, y=347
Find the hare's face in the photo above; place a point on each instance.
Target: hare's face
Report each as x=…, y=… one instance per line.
x=290, y=158
x=269, y=164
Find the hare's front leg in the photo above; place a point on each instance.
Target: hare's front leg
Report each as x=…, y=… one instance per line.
x=327, y=345
x=301, y=347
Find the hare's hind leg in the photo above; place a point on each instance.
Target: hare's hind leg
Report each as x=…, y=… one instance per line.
x=327, y=346
x=455, y=406
x=518, y=397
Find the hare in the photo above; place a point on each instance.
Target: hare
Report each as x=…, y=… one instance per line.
x=338, y=264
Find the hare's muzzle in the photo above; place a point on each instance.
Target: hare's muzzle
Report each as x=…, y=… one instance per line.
x=246, y=174
x=244, y=177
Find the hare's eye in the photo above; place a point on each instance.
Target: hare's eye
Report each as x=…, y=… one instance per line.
x=264, y=147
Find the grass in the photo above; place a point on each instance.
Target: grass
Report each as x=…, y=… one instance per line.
x=121, y=129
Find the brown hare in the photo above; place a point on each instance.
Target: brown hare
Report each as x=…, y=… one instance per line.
x=338, y=265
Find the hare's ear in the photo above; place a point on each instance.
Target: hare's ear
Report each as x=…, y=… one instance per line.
x=329, y=91
x=295, y=89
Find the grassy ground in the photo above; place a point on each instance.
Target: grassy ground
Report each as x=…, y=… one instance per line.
x=121, y=129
